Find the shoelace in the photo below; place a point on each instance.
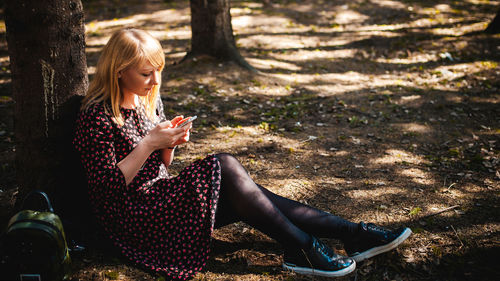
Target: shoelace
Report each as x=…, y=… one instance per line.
x=307, y=258
x=322, y=249
x=325, y=250
x=379, y=230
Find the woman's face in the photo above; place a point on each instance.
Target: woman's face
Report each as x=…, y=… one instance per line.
x=139, y=79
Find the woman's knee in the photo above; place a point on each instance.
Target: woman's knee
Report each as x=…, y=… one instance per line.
x=227, y=158
x=230, y=165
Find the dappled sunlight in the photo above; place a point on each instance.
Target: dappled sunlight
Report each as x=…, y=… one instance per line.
x=436, y=207
x=251, y=131
x=340, y=153
x=247, y=10
x=327, y=79
x=413, y=128
x=375, y=110
x=326, y=57
x=376, y=90
x=449, y=31
x=478, y=2
x=390, y=4
x=376, y=193
x=457, y=190
x=396, y=156
x=179, y=33
x=97, y=26
x=346, y=16
x=162, y=16
x=260, y=22
x=333, y=42
x=171, y=16
x=409, y=99
x=418, y=176
x=450, y=73
x=227, y=139
x=271, y=64
x=491, y=100
x=91, y=70
x=98, y=32
x=380, y=29
x=279, y=41
x=329, y=91
x=291, y=188
x=414, y=58
x=99, y=41
x=327, y=84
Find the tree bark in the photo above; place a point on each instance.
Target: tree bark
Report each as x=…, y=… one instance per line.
x=494, y=26
x=212, y=32
x=46, y=43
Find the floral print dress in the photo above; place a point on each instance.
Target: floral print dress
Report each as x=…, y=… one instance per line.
x=160, y=222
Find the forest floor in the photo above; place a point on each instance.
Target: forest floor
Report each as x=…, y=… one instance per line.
x=378, y=111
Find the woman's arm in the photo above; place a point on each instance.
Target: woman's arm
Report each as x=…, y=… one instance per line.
x=161, y=137
x=94, y=141
x=167, y=156
x=132, y=163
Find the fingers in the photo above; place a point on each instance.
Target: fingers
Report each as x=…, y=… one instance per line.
x=183, y=121
x=168, y=134
x=176, y=120
x=165, y=124
x=183, y=135
x=180, y=133
x=182, y=139
x=186, y=136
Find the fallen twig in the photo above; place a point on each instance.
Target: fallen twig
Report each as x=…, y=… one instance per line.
x=440, y=212
x=457, y=235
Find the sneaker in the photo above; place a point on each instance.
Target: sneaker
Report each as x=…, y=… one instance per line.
x=374, y=240
x=319, y=260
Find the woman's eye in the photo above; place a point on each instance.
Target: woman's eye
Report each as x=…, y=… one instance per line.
x=145, y=74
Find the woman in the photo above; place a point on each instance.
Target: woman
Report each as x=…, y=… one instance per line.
x=164, y=223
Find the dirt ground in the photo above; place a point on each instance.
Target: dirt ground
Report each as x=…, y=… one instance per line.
x=383, y=111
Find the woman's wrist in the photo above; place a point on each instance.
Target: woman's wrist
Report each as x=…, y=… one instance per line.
x=147, y=143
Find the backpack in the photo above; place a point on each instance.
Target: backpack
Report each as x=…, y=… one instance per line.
x=34, y=245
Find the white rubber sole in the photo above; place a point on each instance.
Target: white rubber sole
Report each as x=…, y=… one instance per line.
x=317, y=272
x=382, y=249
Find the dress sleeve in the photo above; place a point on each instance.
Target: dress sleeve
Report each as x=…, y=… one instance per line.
x=94, y=141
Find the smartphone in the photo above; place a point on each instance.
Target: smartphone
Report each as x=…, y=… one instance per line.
x=191, y=119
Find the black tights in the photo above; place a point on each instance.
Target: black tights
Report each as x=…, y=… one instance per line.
x=287, y=221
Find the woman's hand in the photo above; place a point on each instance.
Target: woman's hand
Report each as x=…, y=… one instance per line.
x=176, y=121
x=167, y=155
x=163, y=136
x=166, y=134
x=179, y=120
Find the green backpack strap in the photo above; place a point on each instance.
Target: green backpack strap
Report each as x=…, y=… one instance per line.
x=39, y=193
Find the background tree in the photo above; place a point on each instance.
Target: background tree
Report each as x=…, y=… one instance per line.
x=212, y=32
x=46, y=43
x=494, y=26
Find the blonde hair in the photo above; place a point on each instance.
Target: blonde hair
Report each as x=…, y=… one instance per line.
x=126, y=48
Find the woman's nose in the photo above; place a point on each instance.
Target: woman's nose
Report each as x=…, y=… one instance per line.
x=155, y=79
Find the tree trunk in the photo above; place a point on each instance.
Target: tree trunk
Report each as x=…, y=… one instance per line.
x=494, y=26
x=46, y=43
x=212, y=32
x=267, y=3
